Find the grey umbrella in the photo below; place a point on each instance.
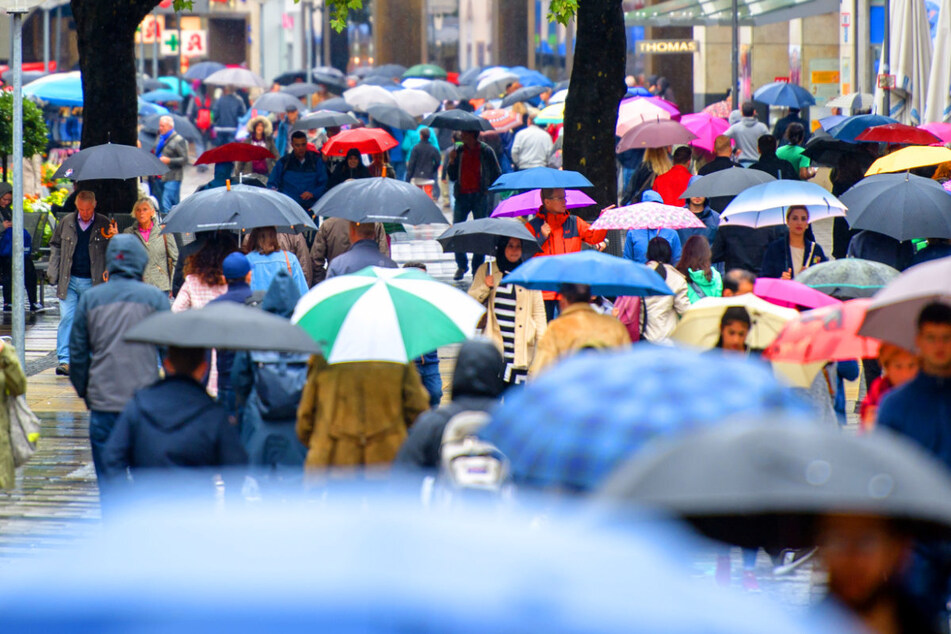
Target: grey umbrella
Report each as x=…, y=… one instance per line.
x=182, y=125
x=278, y=101
x=525, y=93
x=325, y=119
x=301, y=89
x=388, y=70
x=458, y=120
x=728, y=182
x=223, y=325
x=148, y=85
x=902, y=206
x=442, y=90
x=235, y=208
x=337, y=104
x=110, y=161
x=240, y=77
x=482, y=235
x=758, y=484
x=202, y=70
x=333, y=83
x=379, y=200
x=849, y=278
x=378, y=80
x=393, y=116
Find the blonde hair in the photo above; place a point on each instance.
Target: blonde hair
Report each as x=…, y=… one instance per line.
x=658, y=159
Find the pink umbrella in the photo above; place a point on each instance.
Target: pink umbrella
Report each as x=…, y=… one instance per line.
x=719, y=109
x=707, y=128
x=528, y=203
x=791, y=294
x=940, y=130
x=660, y=102
x=648, y=215
x=637, y=111
x=659, y=133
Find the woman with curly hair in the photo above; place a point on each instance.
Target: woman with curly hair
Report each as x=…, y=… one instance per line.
x=260, y=132
x=203, y=278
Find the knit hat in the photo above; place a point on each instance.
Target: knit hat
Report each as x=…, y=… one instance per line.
x=235, y=266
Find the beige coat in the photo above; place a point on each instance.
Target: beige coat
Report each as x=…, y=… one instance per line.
x=578, y=327
x=333, y=239
x=664, y=311
x=12, y=384
x=530, y=321
x=163, y=254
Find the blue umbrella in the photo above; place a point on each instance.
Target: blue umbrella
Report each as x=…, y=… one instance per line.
x=605, y=274
x=539, y=178
x=638, y=91
x=827, y=123
x=765, y=205
x=202, y=70
x=65, y=91
x=529, y=77
x=147, y=109
x=853, y=126
x=172, y=82
x=161, y=96
x=781, y=93
x=576, y=423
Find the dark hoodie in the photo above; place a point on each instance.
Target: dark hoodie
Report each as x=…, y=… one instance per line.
x=343, y=173
x=6, y=213
x=476, y=385
x=105, y=369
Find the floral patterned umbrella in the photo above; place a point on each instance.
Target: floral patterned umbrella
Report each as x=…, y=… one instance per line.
x=719, y=109
x=502, y=120
x=647, y=215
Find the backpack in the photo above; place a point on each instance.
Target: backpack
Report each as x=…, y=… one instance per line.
x=203, y=118
x=468, y=462
x=279, y=379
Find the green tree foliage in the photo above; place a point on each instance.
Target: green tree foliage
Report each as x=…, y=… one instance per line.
x=34, y=128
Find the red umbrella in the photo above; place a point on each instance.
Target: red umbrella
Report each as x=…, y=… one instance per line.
x=898, y=133
x=825, y=334
x=234, y=152
x=660, y=133
x=366, y=140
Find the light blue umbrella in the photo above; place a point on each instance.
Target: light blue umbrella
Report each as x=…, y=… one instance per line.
x=827, y=123
x=766, y=205
x=172, y=82
x=539, y=178
x=781, y=93
x=529, y=77
x=161, y=96
x=605, y=274
x=65, y=91
x=853, y=126
x=147, y=109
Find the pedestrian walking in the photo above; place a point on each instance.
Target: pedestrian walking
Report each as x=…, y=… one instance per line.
x=636, y=240
x=877, y=247
x=77, y=262
x=662, y=312
x=6, y=254
x=792, y=118
x=656, y=162
x=172, y=149
x=285, y=127
x=722, y=160
x=899, y=366
x=746, y=132
x=738, y=282
x=364, y=251
x=786, y=257
x=422, y=169
x=770, y=163
x=300, y=174
x=237, y=273
x=351, y=168
x=266, y=257
x=162, y=250
x=226, y=114
x=12, y=384
x=695, y=265
x=105, y=369
x=260, y=134
x=699, y=207
x=531, y=146
x=792, y=151
x=333, y=239
x=672, y=183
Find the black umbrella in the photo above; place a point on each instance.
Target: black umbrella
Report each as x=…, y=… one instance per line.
x=278, y=101
x=728, y=182
x=393, y=116
x=848, y=278
x=442, y=90
x=458, y=120
x=526, y=93
x=379, y=200
x=223, y=325
x=823, y=149
x=331, y=82
x=482, y=236
x=235, y=208
x=110, y=161
x=182, y=125
x=763, y=484
x=289, y=77
x=325, y=119
x=388, y=70
x=377, y=80
x=202, y=70
x=902, y=206
x=337, y=104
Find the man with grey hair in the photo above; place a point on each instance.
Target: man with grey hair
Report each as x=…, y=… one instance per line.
x=172, y=149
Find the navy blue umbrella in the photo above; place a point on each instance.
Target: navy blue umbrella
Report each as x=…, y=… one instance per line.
x=605, y=274
x=539, y=178
x=202, y=70
x=379, y=200
x=234, y=208
x=781, y=93
x=853, y=126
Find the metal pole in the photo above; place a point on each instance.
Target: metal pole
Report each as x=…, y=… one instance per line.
x=887, y=58
x=261, y=6
x=855, y=46
x=46, y=40
x=19, y=315
x=59, y=31
x=325, y=32
x=309, y=45
x=141, y=51
x=155, y=48
x=178, y=71
x=735, y=55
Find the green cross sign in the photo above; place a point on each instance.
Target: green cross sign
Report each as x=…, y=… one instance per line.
x=172, y=41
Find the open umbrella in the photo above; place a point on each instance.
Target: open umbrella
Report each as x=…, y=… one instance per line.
x=366, y=140
x=202, y=70
x=893, y=314
x=110, y=161
x=416, y=82
x=940, y=129
x=392, y=116
x=823, y=149
x=301, y=89
x=660, y=133
x=827, y=123
x=482, y=235
x=162, y=96
x=720, y=109
x=902, y=206
x=647, y=215
x=457, y=120
x=182, y=125
x=551, y=114
x=176, y=84
x=235, y=208
x=240, y=77
x=388, y=70
x=147, y=85
x=234, y=152
x=59, y=89
x=700, y=325
x=766, y=205
x=387, y=83
x=442, y=90
x=791, y=293
x=634, y=112
x=560, y=96
x=898, y=133
x=290, y=77
x=849, y=129
x=781, y=93
x=528, y=203
x=539, y=178
x=226, y=326
x=325, y=119
x=848, y=278
x=502, y=120
x=852, y=101
x=494, y=84
x=379, y=200
x=334, y=83
x=385, y=315
x=146, y=109
x=909, y=158
x=525, y=93
x=416, y=102
x=825, y=334
x=336, y=104
x=605, y=274
x=706, y=127
x=729, y=182
x=276, y=102
x=426, y=71
x=362, y=97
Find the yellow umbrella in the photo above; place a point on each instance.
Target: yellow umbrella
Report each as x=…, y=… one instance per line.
x=909, y=158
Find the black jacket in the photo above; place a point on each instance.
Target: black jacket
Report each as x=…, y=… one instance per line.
x=718, y=203
x=776, y=167
x=778, y=258
x=743, y=247
x=423, y=162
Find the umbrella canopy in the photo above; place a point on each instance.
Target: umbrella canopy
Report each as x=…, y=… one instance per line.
x=910, y=61
x=366, y=140
x=719, y=109
x=379, y=200
x=827, y=123
x=531, y=77
x=182, y=125
x=392, y=116
x=909, y=158
x=893, y=314
x=482, y=236
x=791, y=293
x=337, y=104
x=756, y=484
x=781, y=93
x=939, y=129
x=385, y=315
x=276, y=102
x=494, y=84
x=147, y=109
x=551, y=114
x=649, y=215
x=766, y=205
x=823, y=149
x=525, y=93
x=235, y=208
x=660, y=133
x=110, y=161
x=59, y=89
x=502, y=120
x=416, y=102
x=234, y=152
x=849, y=129
x=539, y=178
x=848, y=278
x=729, y=182
x=457, y=120
x=203, y=70
x=572, y=426
x=290, y=77
x=560, y=96
x=902, y=206
x=146, y=85
x=426, y=71
x=162, y=96
x=333, y=83
x=362, y=97
x=301, y=89
x=706, y=127
x=224, y=326
x=825, y=334
x=898, y=133
x=852, y=101
x=442, y=90
x=325, y=119
x=605, y=274
x=700, y=325
x=470, y=76
x=177, y=84
x=528, y=203
x=416, y=82
x=388, y=70
x=240, y=77
x=634, y=112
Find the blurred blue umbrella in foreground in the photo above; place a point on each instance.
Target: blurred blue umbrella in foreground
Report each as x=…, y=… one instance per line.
x=538, y=178
x=605, y=274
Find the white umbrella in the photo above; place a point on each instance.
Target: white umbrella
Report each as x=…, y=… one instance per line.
x=494, y=84
x=910, y=61
x=766, y=205
x=241, y=77
x=938, y=98
x=559, y=97
x=416, y=102
x=362, y=97
x=852, y=101
x=415, y=82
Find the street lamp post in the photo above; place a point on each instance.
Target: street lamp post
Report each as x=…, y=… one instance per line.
x=887, y=59
x=735, y=55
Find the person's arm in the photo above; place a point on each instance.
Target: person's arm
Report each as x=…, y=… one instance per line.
x=117, y=450
x=171, y=253
x=517, y=144
x=303, y=257
x=539, y=315
x=381, y=239
x=276, y=178
x=415, y=396
x=490, y=163
x=629, y=245
x=772, y=265
x=307, y=409
x=79, y=349
x=320, y=179
x=675, y=247
x=681, y=298
x=298, y=274
x=479, y=290
x=411, y=164
x=452, y=167
x=52, y=270
x=242, y=375
x=589, y=235
x=318, y=255
x=545, y=353
x=178, y=153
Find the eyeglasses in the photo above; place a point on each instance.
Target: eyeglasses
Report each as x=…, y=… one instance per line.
x=557, y=198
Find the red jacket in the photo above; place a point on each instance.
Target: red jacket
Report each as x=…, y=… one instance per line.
x=671, y=185
x=879, y=388
x=567, y=234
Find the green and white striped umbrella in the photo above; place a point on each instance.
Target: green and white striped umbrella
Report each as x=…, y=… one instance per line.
x=382, y=314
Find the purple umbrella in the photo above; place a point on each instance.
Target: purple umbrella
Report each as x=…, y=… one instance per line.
x=528, y=203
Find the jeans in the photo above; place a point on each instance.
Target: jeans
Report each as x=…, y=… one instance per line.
x=400, y=168
x=171, y=191
x=551, y=309
x=100, y=426
x=476, y=204
x=77, y=286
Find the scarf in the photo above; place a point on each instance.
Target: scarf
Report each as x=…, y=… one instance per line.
x=162, y=140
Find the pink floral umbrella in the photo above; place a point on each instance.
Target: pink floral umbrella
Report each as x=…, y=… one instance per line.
x=637, y=111
x=660, y=102
x=528, y=203
x=648, y=215
x=706, y=126
x=719, y=109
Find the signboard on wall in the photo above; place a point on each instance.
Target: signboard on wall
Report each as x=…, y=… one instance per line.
x=663, y=47
x=192, y=43
x=151, y=28
x=824, y=77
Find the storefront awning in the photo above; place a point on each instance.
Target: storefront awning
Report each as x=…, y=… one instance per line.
x=719, y=12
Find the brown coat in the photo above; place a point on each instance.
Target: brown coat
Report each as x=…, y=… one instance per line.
x=579, y=326
x=63, y=244
x=357, y=414
x=333, y=238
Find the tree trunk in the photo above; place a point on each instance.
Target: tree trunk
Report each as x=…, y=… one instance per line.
x=597, y=87
x=106, y=40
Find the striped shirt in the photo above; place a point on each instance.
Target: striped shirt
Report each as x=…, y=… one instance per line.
x=504, y=307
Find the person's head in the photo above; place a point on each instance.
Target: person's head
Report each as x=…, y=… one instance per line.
x=143, y=211
x=554, y=200
x=332, y=131
x=696, y=203
x=738, y=282
x=898, y=364
x=862, y=556
x=659, y=160
x=658, y=250
x=86, y=205
x=165, y=124
x=682, y=155
x=206, y=262
x=797, y=220
x=934, y=339
x=299, y=143
x=795, y=133
x=695, y=255
x=766, y=145
x=292, y=113
x=262, y=240
x=6, y=194
x=353, y=158
x=424, y=135
x=747, y=109
x=362, y=231
x=236, y=268
x=722, y=146
x=191, y=362
x=479, y=370
x=415, y=265
x=470, y=138
x=126, y=257
x=734, y=328
x=512, y=250
x=574, y=294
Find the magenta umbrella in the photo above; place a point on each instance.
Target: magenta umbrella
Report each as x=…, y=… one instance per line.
x=649, y=215
x=660, y=133
x=939, y=129
x=660, y=102
x=528, y=203
x=707, y=128
x=791, y=294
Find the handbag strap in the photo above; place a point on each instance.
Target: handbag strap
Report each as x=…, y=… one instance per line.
x=168, y=259
x=288, y=261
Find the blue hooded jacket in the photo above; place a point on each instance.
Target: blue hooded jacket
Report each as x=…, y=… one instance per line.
x=635, y=244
